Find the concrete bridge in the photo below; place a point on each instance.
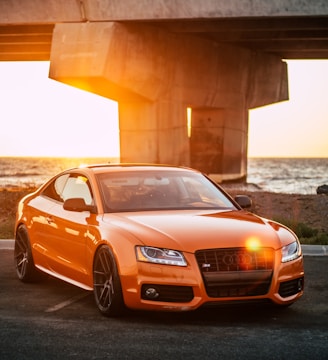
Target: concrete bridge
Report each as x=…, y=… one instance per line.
x=157, y=58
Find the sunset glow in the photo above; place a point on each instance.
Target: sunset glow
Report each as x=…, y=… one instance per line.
x=42, y=117
x=189, y=112
x=298, y=127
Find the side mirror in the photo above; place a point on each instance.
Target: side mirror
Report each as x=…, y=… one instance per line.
x=243, y=201
x=78, y=205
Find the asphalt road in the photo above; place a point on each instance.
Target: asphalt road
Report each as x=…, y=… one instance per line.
x=54, y=320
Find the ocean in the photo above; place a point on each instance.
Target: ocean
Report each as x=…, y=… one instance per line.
x=280, y=175
x=288, y=175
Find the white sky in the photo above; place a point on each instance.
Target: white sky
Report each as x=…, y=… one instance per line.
x=298, y=127
x=42, y=117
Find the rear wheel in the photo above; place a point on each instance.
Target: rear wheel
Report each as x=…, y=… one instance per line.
x=24, y=263
x=106, y=283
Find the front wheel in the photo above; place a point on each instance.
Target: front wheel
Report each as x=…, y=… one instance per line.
x=106, y=283
x=25, y=269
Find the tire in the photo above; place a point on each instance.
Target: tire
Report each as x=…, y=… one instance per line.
x=106, y=284
x=25, y=268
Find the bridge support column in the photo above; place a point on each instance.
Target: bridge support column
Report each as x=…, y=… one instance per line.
x=218, y=143
x=154, y=132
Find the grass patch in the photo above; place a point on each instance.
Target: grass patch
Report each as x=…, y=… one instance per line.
x=7, y=229
x=305, y=233
x=320, y=239
x=9, y=199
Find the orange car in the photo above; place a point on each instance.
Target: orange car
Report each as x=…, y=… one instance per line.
x=155, y=238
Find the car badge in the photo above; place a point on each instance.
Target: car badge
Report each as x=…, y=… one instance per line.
x=205, y=266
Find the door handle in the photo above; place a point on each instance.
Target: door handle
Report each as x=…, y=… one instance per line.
x=50, y=220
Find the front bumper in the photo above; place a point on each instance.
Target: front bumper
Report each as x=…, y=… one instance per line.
x=173, y=288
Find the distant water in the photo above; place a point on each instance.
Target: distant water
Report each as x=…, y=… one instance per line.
x=283, y=175
x=30, y=172
x=288, y=175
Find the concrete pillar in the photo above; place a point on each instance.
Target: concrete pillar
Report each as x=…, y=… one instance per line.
x=218, y=142
x=234, y=165
x=154, y=132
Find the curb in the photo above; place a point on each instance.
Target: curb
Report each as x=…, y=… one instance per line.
x=315, y=250
x=308, y=250
x=7, y=244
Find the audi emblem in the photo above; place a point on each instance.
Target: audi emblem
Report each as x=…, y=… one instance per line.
x=237, y=259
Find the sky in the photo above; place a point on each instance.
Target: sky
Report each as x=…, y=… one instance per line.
x=45, y=118
x=297, y=127
x=42, y=117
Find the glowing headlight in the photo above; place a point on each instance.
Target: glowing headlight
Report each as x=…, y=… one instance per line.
x=291, y=252
x=160, y=256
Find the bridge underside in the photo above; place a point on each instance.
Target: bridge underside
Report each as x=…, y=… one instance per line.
x=156, y=75
x=218, y=68
x=301, y=37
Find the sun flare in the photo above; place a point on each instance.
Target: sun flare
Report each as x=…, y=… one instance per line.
x=253, y=244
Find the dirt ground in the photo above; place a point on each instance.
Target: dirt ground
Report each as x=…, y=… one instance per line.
x=311, y=210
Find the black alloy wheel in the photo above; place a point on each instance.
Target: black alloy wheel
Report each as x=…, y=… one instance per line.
x=25, y=269
x=106, y=283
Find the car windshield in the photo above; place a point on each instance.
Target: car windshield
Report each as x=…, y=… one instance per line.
x=159, y=190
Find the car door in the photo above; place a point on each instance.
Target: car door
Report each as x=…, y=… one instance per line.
x=67, y=231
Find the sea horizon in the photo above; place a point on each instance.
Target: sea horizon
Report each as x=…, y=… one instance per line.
x=293, y=175
x=117, y=157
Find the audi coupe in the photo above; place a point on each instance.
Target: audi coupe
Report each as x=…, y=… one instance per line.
x=154, y=237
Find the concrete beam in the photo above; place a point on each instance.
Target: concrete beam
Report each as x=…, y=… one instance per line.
x=53, y=11
x=40, y=11
x=268, y=81
x=126, y=62
x=116, y=10
x=111, y=60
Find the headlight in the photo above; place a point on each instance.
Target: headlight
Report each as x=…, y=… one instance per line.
x=160, y=256
x=291, y=252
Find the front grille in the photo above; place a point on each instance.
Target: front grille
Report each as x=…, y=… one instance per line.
x=236, y=272
x=235, y=259
x=292, y=287
x=168, y=293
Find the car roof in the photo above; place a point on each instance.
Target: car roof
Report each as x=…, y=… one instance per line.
x=118, y=167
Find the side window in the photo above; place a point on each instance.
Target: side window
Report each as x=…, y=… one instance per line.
x=55, y=189
x=69, y=186
x=77, y=186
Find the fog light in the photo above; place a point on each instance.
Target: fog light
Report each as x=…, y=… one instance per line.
x=151, y=293
x=300, y=284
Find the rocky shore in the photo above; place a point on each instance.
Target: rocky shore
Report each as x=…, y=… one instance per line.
x=311, y=210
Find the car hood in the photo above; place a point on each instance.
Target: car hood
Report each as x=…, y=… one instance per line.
x=193, y=230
